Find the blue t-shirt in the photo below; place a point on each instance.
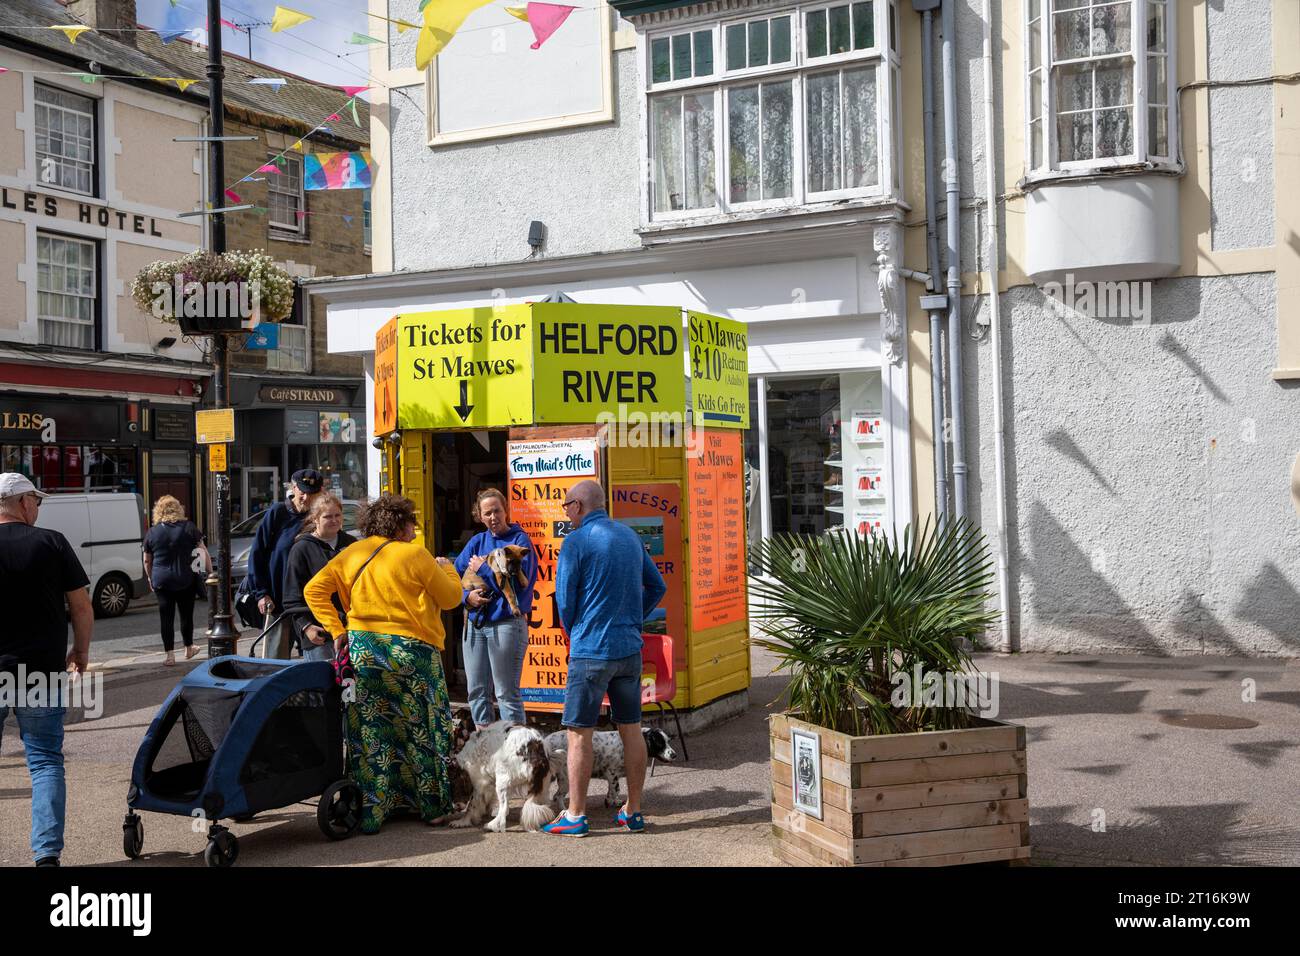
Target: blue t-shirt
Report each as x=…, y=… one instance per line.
x=606, y=585
x=484, y=543
x=172, y=544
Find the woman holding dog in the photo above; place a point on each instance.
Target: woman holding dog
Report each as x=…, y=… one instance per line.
x=496, y=639
x=399, y=726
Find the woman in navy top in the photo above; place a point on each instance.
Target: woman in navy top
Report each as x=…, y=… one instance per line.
x=495, y=640
x=173, y=551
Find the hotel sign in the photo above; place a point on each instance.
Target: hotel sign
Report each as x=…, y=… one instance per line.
x=56, y=208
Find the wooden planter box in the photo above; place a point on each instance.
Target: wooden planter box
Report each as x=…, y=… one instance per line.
x=939, y=798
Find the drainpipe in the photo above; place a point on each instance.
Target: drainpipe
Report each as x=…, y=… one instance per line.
x=935, y=303
x=953, y=214
x=1005, y=642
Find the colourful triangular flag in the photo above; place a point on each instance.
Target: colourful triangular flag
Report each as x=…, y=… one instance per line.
x=302, y=213
x=403, y=26
x=298, y=146
x=71, y=32
x=233, y=26
x=362, y=39
x=268, y=168
x=233, y=196
x=353, y=90
x=519, y=13
x=88, y=78
x=182, y=84
x=441, y=21
x=333, y=117
x=348, y=220
x=356, y=120
x=4, y=69
x=285, y=18
x=545, y=19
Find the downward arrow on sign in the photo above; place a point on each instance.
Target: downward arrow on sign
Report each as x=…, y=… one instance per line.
x=464, y=408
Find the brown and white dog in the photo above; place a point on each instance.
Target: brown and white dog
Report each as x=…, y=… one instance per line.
x=494, y=761
x=506, y=564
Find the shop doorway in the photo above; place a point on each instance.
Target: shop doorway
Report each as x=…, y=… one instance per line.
x=177, y=487
x=464, y=463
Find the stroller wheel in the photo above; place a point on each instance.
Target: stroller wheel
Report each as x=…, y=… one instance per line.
x=222, y=850
x=339, y=812
x=132, y=835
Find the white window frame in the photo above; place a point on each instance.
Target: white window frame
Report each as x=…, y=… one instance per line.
x=92, y=297
x=91, y=113
x=272, y=182
x=720, y=43
x=278, y=359
x=877, y=48
x=670, y=84
x=885, y=61
x=1137, y=55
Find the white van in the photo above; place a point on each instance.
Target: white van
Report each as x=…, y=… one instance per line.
x=106, y=530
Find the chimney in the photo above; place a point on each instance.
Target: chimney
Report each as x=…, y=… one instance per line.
x=115, y=18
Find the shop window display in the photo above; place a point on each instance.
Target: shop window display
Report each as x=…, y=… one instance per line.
x=67, y=468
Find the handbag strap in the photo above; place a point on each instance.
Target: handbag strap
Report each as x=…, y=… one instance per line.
x=361, y=570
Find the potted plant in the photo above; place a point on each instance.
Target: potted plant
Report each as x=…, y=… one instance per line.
x=205, y=293
x=888, y=753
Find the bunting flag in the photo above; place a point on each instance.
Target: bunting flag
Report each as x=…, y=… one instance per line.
x=362, y=39
x=402, y=25
x=70, y=32
x=298, y=146
x=268, y=168
x=233, y=196
x=88, y=78
x=175, y=25
x=347, y=220
x=233, y=26
x=545, y=19
x=519, y=13
x=333, y=118
x=4, y=69
x=355, y=170
x=441, y=21
x=275, y=81
x=182, y=83
x=423, y=4
x=353, y=90
x=285, y=18
x=356, y=120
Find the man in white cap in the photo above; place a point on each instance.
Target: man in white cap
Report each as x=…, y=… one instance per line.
x=38, y=571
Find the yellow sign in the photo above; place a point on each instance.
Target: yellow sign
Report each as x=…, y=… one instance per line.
x=590, y=359
x=719, y=371
x=214, y=426
x=216, y=458
x=386, y=378
x=465, y=368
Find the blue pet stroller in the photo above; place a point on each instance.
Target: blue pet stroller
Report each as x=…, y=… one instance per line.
x=238, y=736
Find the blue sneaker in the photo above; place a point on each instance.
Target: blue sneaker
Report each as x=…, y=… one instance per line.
x=635, y=823
x=564, y=826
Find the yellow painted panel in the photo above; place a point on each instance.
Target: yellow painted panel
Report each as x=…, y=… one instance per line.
x=417, y=479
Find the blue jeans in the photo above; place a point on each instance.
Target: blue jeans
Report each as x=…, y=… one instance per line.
x=41, y=730
x=494, y=658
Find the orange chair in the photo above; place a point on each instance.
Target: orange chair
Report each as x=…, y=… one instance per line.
x=657, y=654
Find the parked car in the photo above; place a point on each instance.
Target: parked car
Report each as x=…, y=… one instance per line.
x=106, y=530
x=242, y=535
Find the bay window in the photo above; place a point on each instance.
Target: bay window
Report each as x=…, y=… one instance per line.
x=773, y=111
x=1099, y=74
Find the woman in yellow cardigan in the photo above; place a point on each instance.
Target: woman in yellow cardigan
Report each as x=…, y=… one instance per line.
x=399, y=727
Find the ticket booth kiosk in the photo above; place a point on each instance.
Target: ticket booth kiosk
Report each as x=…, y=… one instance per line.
x=651, y=401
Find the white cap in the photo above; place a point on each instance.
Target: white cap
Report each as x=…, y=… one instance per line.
x=13, y=484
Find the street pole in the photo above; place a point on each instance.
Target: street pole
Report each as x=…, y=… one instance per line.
x=223, y=639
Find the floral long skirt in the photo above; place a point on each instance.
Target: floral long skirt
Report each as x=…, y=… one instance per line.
x=398, y=728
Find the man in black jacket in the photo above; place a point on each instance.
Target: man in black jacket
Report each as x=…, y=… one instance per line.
x=270, y=555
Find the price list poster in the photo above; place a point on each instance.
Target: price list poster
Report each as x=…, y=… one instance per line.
x=717, y=531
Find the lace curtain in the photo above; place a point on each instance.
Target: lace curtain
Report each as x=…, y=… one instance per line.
x=842, y=130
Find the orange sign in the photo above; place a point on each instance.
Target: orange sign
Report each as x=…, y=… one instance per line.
x=654, y=512
x=386, y=378
x=537, y=495
x=717, y=531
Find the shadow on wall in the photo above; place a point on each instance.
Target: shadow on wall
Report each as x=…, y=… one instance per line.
x=1060, y=440
x=1271, y=602
x=1070, y=594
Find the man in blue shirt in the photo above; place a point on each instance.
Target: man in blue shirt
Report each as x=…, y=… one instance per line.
x=269, y=558
x=606, y=585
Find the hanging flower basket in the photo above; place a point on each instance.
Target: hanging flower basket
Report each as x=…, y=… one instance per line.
x=208, y=294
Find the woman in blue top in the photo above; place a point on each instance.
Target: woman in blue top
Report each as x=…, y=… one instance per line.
x=495, y=640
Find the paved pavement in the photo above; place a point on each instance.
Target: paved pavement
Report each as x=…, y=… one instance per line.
x=1100, y=752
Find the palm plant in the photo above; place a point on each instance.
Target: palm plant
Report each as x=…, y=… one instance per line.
x=845, y=614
